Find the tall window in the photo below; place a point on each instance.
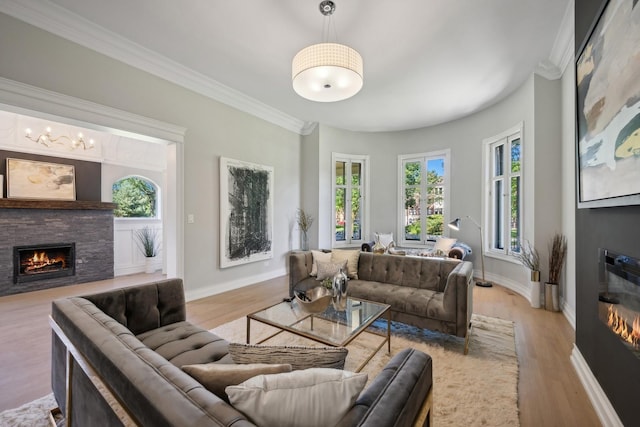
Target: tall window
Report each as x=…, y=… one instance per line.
x=136, y=198
x=349, y=195
x=424, y=196
x=503, y=192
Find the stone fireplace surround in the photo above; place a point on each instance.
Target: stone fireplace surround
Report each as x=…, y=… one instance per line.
x=88, y=224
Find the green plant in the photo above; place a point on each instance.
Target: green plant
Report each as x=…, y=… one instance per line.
x=529, y=256
x=304, y=220
x=148, y=241
x=557, y=254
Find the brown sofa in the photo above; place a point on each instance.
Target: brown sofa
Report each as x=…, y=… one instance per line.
x=431, y=293
x=116, y=361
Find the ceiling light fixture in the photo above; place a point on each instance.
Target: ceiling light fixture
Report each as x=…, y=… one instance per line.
x=46, y=139
x=327, y=72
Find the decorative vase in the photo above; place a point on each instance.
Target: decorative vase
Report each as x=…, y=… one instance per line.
x=149, y=264
x=551, y=297
x=535, y=289
x=304, y=241
x=378, y=248
x=340, y=282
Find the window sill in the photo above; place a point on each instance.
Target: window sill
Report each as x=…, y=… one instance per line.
x=502, y=257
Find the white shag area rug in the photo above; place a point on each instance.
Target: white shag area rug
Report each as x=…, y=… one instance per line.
x=479, y=389
x=32, y=414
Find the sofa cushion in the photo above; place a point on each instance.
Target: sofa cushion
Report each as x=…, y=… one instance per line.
x=316, y=397
x=297, y=356
x=444, y=244
x=182, y=343
x=404, y=299
x=215, y=377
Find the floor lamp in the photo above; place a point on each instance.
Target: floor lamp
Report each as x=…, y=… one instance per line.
x=455, y=225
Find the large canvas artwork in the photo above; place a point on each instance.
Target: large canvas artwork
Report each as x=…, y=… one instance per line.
x=29, y=179
x=608, y=109
x=246, y=212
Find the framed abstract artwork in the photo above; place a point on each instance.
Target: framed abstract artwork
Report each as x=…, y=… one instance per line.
x=246, y=212
x=608, y=109
x=30, y=179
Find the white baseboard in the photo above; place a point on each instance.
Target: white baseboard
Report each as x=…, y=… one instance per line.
x=213, y=289
x=606, y=413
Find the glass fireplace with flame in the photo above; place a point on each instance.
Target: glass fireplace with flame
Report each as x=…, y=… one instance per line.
x=619, y=297
x=38, y=262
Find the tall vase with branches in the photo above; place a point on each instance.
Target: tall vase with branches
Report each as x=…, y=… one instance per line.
x=304, y=221
x=557, y=256
x=530, y=258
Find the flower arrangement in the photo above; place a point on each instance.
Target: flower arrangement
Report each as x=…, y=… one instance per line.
x=304, y=220
x=529, y=256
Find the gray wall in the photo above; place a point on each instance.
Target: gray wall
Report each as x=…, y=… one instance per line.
x=213, y=130
x=537, y=103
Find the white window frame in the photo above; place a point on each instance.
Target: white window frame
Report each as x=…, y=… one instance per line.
x=364, y=205
x=422, y=158
x=505, y=138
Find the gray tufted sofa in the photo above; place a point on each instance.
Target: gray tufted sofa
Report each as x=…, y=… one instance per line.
x=116, y=360
x=431, y=293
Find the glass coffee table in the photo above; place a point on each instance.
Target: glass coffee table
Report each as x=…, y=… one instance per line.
x=335, y=328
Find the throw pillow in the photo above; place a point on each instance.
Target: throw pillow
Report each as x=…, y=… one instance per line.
x=444, y=244
x=298, y=357
x=319, y=256
x=351, y=257
x=215, y=377
x=313, y=398
x=330, y=269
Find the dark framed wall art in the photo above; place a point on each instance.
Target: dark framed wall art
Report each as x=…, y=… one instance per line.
x=608, y=109
x=246, y=212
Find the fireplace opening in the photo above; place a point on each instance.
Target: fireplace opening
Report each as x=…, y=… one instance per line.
x=619, y=297
x=46, y=261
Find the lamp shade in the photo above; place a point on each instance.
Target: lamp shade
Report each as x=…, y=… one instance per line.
x=327, y=72
x=455, y=224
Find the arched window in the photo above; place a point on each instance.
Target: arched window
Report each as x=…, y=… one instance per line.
x=136, y=197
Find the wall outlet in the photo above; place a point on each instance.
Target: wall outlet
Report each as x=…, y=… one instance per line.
x=191, y=219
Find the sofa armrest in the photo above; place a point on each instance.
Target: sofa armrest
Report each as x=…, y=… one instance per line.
x=398, y=396
x=458, y=296
x=300, y=263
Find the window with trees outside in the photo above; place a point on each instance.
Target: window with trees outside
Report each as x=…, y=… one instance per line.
x=424, y=196
x=136, y=198
x=349, y=196
x=503, y=192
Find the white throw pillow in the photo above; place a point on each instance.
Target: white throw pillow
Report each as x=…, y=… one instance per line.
x=311, y=397
x=351, y=256
x=444, y=244
x=319, y=256
x=385, y=239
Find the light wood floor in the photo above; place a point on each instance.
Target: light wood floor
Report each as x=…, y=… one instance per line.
x=550, y=393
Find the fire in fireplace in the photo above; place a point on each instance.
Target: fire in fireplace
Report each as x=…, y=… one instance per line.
x=619, y=297
x=38, y=262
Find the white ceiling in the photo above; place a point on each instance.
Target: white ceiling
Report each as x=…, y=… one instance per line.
x=425, y=61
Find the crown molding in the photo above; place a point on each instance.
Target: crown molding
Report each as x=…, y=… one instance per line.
x=31, y=100
x=562, y=50
x=63, y=23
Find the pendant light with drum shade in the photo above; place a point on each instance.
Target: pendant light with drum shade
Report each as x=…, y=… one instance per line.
x=327, y=72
